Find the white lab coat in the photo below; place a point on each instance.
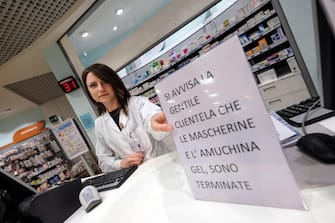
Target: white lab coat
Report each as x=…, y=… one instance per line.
x=113, y=144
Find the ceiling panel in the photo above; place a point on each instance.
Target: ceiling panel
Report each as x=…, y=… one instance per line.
x=39, y=89
x=23, y=21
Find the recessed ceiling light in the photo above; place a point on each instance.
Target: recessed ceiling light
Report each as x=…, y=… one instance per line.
x=119, y=12
x=84, y=34
x=115, y=28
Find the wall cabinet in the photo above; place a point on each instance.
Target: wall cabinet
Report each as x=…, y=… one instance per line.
x=263, y=40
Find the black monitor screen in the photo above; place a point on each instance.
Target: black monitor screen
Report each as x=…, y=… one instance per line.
x=17, y=189
x=326, y=56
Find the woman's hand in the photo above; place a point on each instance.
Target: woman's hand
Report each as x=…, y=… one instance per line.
x=134, y=159
x=159, y=123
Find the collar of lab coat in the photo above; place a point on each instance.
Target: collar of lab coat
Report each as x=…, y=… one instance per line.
x=123, y=119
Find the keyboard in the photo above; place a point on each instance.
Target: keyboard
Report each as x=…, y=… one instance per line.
x=110, y=180
x=294, y=114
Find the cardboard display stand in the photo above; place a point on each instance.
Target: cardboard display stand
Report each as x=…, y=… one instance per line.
x=223, y=132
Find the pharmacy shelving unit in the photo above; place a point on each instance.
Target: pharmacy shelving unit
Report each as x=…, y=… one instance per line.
x=38, y=161
x=267, y=44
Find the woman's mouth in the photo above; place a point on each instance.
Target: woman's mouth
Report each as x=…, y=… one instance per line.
x=103, y=95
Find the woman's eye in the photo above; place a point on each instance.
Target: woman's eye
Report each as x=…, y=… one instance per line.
x=92, y=85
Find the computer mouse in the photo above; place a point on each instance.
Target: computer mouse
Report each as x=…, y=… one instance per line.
x=319, y=146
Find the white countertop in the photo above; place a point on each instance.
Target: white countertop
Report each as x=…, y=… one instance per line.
x=159, y=192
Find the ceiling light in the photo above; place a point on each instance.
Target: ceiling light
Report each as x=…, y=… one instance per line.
x=84, y=34
x=115, y=28
x=119, y=12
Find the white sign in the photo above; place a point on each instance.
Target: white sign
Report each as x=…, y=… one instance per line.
x=223, y=132
x=70, y=139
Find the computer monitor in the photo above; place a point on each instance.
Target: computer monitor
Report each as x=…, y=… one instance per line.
x=17, y=189
x=325, y=47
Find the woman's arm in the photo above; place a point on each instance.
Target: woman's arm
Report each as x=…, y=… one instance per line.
x=154, y=119
x=107, y=159
x=159, y=123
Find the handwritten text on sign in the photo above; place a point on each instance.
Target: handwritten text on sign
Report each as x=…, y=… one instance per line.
x=223, y=133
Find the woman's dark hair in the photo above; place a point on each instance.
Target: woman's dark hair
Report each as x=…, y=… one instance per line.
x=108, y=75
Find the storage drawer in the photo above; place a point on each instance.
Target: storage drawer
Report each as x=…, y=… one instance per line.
x=286, y=100
x=282, y=86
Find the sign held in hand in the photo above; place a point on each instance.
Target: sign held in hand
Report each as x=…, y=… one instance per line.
x=223, y=132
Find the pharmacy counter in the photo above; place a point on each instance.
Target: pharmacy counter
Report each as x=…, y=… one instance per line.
x=158, y=192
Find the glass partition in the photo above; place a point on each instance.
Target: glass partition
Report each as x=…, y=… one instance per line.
x=177, y=37
x=105, y=25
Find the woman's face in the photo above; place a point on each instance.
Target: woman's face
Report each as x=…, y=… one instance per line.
x=100, y=90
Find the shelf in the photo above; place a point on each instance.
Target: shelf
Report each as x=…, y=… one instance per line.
x=254, y=26
x=45, y=169
x=273, y=45
x=282, y=77
x=172, y=67
x=232, y=25
x=152, y=96
x=270, y=63
x=259, y=21
x=51, y=176
x=145, y=90
x=195, y=51
x=35, y=159
x=152, y=76
x=261, y=35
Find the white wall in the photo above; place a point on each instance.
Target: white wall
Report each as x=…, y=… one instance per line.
x=59, y=106
x=10, y=125
x=77, y=99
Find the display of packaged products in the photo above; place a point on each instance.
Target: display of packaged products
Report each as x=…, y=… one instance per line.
x=226, y=23
x=244, y=39
x=172, y=56
x=283, y=53
x=251, y=22
x=184, y=49
x=267, y=76
x=272, y=57
x=255, y=3
x=259, y=15
x=250, y=53
x=275, y=37
x=156, y=66
x=262, y=28
x=263, y=44
x=292, y=63
x=280, y=33
x=259, y=32
x=255, y=35
x=256, y=49
x=273, y=22
x=216, y=43
x=243, y=28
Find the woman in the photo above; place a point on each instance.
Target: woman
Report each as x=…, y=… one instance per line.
x=129, y=127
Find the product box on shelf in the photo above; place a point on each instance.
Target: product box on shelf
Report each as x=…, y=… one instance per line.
x=267, y=76
x=273, y=22
x=292, y=63
x=263, y=43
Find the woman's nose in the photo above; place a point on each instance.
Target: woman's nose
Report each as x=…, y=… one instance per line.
x=101, y=87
